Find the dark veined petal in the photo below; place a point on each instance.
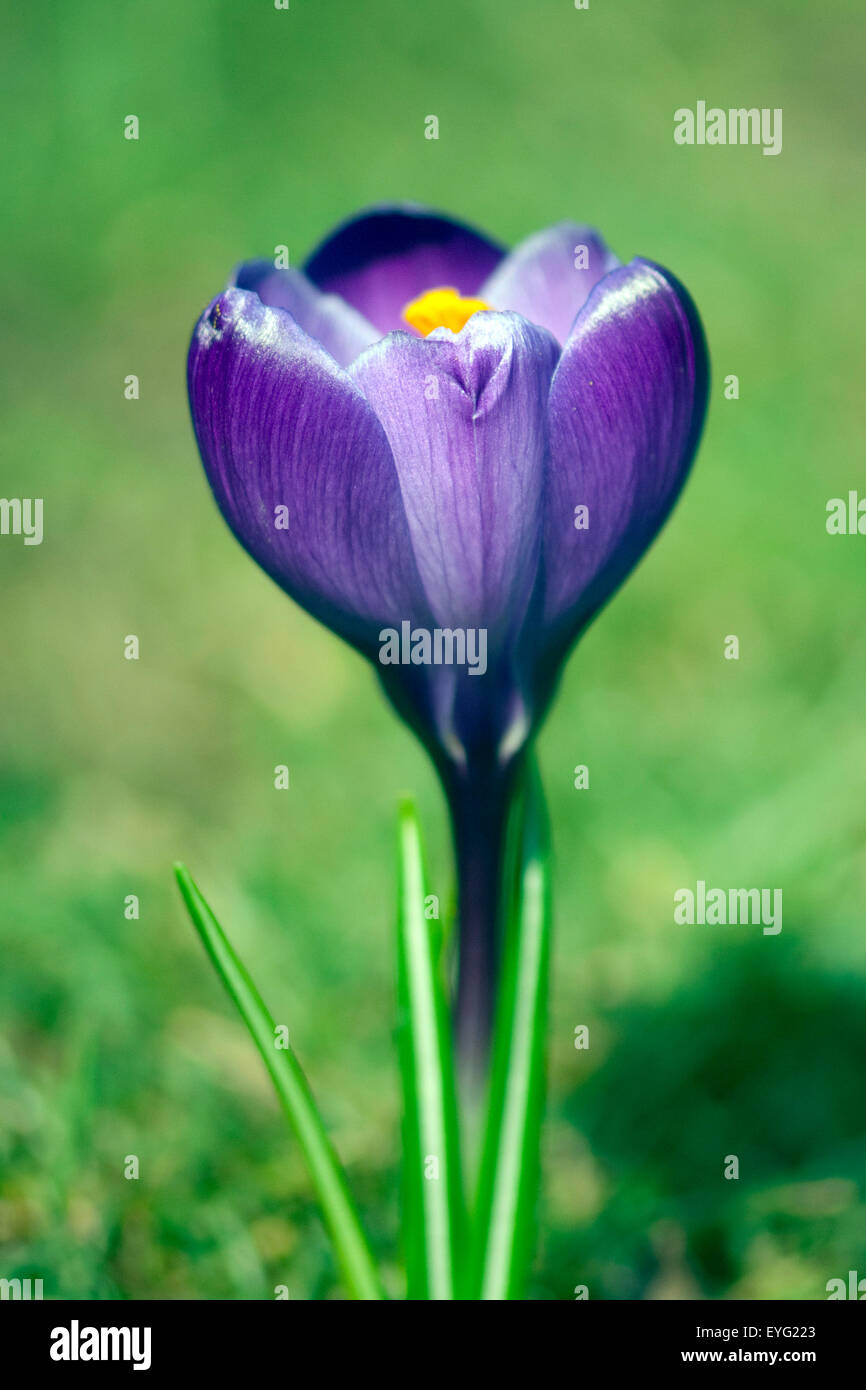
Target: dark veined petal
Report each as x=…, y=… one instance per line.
x=383, y=258
x=326, y=317
x=627, y=406
x=466, y=418
x=544, y=277
x=280, y=425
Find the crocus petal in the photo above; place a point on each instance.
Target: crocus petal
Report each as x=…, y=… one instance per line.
x=544, y=279
x=466, y=417
x=384, y=258
x=627, y=405
x=326, y=317
x=279, y=424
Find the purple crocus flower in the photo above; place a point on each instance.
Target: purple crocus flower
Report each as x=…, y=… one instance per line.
x=421, y=434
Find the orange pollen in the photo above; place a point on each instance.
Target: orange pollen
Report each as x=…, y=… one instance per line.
x=441, y=308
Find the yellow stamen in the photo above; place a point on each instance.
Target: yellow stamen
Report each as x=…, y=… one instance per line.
x=441, y=308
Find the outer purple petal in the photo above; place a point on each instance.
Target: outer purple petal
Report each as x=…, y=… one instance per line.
x=279, y=424
x=627, y=406
x=466, y=418
x=540, y=280
x=384, y=258
x=326, y=317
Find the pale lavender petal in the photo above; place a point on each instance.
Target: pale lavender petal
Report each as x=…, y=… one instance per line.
x=326, y=317
x=544, y=278
x=384, y=258
x=466, y=418
x=280, y=425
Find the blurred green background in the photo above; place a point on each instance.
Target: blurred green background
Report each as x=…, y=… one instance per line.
x=261, y=127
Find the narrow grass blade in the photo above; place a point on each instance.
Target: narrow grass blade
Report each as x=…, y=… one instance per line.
x=341, y=1218
x=505, y=1213
x=433, y=1198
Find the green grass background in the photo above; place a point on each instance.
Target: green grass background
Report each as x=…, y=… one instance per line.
x=261, y=127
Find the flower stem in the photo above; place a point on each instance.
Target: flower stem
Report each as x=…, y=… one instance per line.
x=480, y=802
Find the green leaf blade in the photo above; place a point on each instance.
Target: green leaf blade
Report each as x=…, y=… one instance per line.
x=350, y=1244
x=505, y=1213
x=433, y=1200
